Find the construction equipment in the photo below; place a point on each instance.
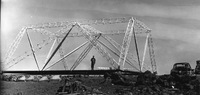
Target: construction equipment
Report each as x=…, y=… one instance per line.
x=197, y=68
x=117, y=78
x=77, y=88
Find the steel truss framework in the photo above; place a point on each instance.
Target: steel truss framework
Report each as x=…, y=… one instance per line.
x=134, y=28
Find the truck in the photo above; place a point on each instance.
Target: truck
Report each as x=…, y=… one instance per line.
x=197, y=68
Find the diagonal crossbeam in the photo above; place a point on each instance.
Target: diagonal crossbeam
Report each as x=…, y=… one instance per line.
x=88, y=31
x=14, y=45
x=57, y=47
x=51, y=49
x=61, y=54
x=67, y=55
x=127, y=60
x=117, y=46
x=85, y=52
x=30, y=43
x=145, y=50
x=126, y=42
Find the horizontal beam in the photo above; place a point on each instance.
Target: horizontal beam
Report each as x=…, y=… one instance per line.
x=112, y=32
x=69, y=72
x=101, y=21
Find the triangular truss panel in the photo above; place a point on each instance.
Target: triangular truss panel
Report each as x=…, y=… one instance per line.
x=115, y=39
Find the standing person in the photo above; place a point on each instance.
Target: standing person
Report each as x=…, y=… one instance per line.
x=93, y=60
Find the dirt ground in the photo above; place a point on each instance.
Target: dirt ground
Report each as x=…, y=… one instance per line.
x=29, y=88
x=50, y=88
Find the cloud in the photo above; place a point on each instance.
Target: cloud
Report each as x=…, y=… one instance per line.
x=184, y=12
x=168, y=2
x=168, y=52
x=176, y=33
x=180, y=9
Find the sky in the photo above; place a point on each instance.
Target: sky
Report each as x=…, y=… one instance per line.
x=174, y=23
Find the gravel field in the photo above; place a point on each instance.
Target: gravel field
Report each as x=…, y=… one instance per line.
x=50, y=88
x=29, y=88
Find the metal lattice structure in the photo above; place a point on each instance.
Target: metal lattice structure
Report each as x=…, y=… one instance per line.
x=93, y=35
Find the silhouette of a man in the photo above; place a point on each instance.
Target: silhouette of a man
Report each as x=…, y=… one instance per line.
x=93, y=60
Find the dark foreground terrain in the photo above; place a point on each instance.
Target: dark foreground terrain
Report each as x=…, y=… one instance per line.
x=144, y=86
x=29, y=88
x=50, y=88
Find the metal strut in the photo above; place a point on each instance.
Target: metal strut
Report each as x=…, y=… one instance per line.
x=81, y=56
x=58, y=47
x=100, y=48
x=136, y=47
x=85, y=52
x=32, y=50
x=61, y=54
x=50, y=51
x=126, y=42
x=28, y=53
x=151, y=54
x=145, y=50
x=68, y=54
x=127, y=60
x=88, y=30
x=112, y=42
x=14, y=45
x=116, y=46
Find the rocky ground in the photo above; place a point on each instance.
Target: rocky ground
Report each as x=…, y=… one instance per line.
x=50, y=88
x=29, y=88
x=147, y=84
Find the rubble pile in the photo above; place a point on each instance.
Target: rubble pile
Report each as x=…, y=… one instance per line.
x=150, y=84
x=146, y=83
x=76, y=87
